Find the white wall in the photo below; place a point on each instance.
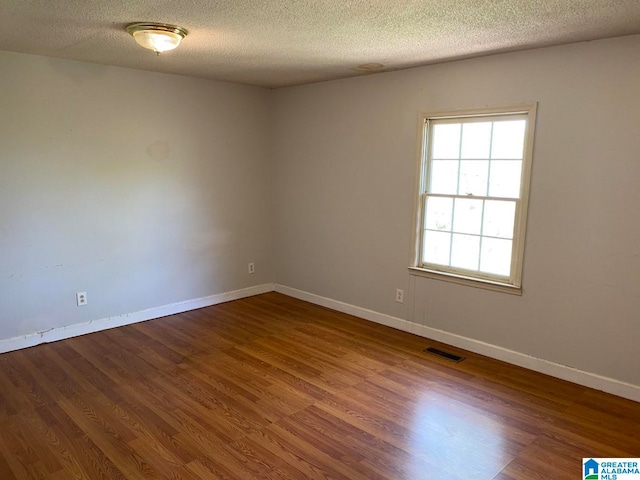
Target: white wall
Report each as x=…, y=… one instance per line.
x=142, y=189
x=346, y=163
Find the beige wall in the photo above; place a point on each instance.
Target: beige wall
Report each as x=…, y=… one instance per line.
x=346, y=161
x=142, y=189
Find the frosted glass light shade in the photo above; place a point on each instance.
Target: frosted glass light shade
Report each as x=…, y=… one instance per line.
x=158, y=37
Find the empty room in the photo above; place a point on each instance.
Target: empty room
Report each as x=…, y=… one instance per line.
x=320, y=240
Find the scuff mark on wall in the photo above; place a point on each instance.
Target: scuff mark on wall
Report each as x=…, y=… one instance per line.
x=159, y=150
x=42, y=332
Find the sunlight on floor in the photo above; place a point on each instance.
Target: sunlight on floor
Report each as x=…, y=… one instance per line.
x=454, y=440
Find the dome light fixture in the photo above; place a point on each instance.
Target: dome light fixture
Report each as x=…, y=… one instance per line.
x=159, y=37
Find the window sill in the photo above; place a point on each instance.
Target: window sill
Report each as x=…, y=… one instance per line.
x=468, y=281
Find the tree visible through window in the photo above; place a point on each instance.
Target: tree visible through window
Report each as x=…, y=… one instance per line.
x=473, y=194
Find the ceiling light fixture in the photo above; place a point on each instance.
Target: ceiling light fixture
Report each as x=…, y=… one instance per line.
x=158, y=37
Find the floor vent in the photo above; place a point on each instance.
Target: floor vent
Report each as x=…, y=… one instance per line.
x=445, y=355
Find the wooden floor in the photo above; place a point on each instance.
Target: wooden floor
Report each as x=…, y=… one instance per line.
x=274, y=388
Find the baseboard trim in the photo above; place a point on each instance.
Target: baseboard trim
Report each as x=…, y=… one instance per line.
x=55, y=334
x=564, y=372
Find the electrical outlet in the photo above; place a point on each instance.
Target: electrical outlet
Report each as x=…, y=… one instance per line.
x=252, y=267
x=81, y=298
x=399, y=296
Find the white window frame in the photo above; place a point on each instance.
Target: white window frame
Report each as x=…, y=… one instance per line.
x=512, y=284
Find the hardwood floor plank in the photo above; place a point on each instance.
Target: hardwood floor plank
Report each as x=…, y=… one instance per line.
x=273, y=388
x=83, y=458
x=26, y=392
x=108, y=440
x=41, y=438
x=5, y=470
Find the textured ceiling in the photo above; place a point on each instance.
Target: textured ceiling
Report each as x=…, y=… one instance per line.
x=275, y=43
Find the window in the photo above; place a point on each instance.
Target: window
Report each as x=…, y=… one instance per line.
x=472, y=196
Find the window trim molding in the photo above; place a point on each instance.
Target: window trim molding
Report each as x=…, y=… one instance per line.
x=514, y=286
x=464, y=280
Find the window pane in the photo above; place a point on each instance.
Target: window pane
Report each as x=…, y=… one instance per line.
x=496, y=256
x=446, y=140
x=508, y=139
x=465, y=250
x=473, y=177
x=505, y=178
x=498, y=219
x=439, y=213
x=436, y=247
x=476, y=140
x=444, y=177
x=467, y=217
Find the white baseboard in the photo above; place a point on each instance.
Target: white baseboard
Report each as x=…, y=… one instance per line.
x=60, y=333
x=598, y=382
